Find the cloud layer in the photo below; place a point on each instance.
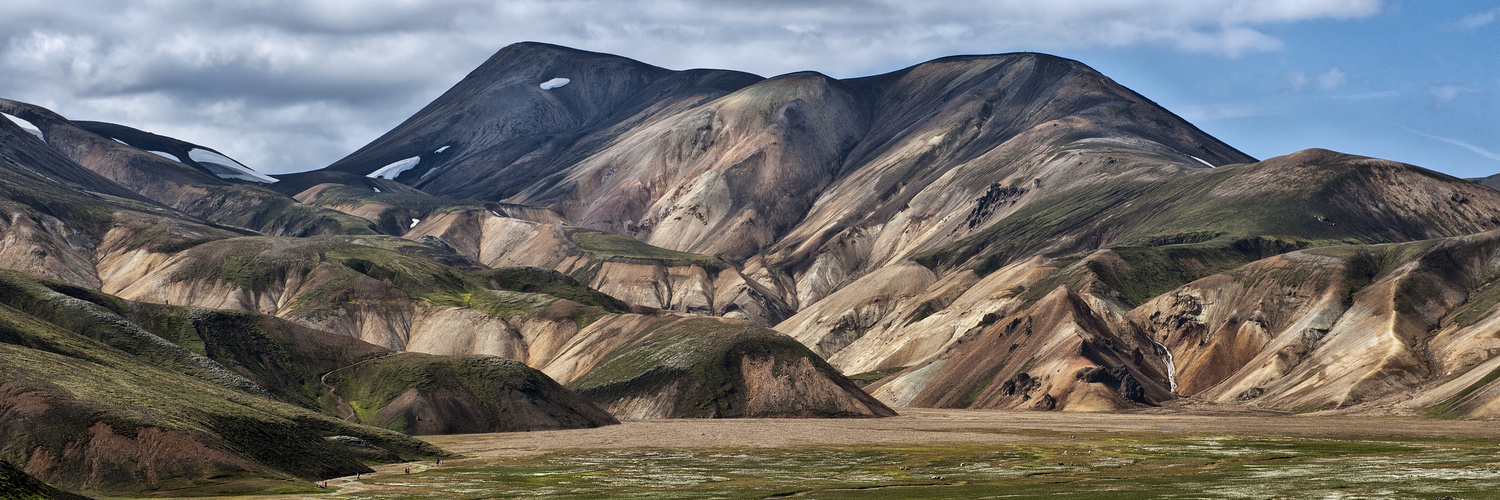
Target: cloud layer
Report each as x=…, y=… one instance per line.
x=294, y=85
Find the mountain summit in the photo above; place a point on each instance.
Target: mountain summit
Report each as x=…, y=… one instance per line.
x=727, y=163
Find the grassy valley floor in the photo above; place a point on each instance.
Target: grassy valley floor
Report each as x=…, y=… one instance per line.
x=964, y=454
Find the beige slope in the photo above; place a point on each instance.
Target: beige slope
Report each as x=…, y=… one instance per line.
x=727, y=177
x=1368, y=353
x=1216, y=326
x=499, y=241
x=42, y=245
x=903, y=316
x=1059, y=354
x=1419, y=334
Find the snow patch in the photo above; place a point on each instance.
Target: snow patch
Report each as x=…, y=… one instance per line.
x=442, y=149
x=26, y=125
x=1203, y=161
x=395, y=169
x=376, y=189
x=555, y=83
x=165, y=154
x=414, y=223
x=120, y=141
x=226, y=168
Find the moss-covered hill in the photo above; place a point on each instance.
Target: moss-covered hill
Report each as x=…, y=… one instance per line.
x=95, y=403
x=719, y=368
x=101, y=395
x=425, y=394
x=546, y=281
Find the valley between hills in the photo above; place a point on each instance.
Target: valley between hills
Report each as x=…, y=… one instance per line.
x=947, y=271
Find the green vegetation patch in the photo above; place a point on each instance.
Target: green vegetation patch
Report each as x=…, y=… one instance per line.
x=353, y=197
x=1451, y=407
x=1220, y=206
x=483, y=381
x=872, y=376
x=1152, y=271
x=604, y=246
x=338, y=272
x=546, y=281
x=269, y=212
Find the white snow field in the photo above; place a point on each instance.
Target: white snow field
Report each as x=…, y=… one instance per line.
x=226, y=168
x=26, y=125
x=394, y=169
x=555, y=83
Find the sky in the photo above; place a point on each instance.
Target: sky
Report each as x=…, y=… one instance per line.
x=286, y=86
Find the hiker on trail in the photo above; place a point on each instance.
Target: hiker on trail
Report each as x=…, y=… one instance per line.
x=408, y=470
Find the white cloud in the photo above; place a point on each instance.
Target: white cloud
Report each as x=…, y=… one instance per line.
x=1331, y=79
x=1445, y=93
x=315, y=79
x=1334, y=77
x=1296, y=79
x=1479, y=19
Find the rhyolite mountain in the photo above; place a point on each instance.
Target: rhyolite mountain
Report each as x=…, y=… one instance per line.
x=566, y=238
x=980, y=231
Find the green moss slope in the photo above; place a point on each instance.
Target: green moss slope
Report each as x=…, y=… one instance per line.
x=79, y=377
x=425, y=394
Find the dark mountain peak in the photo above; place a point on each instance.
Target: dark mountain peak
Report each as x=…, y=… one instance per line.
x=527, y=96
x=531, y=48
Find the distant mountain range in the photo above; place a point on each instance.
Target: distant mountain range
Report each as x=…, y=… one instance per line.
x=567, y=238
